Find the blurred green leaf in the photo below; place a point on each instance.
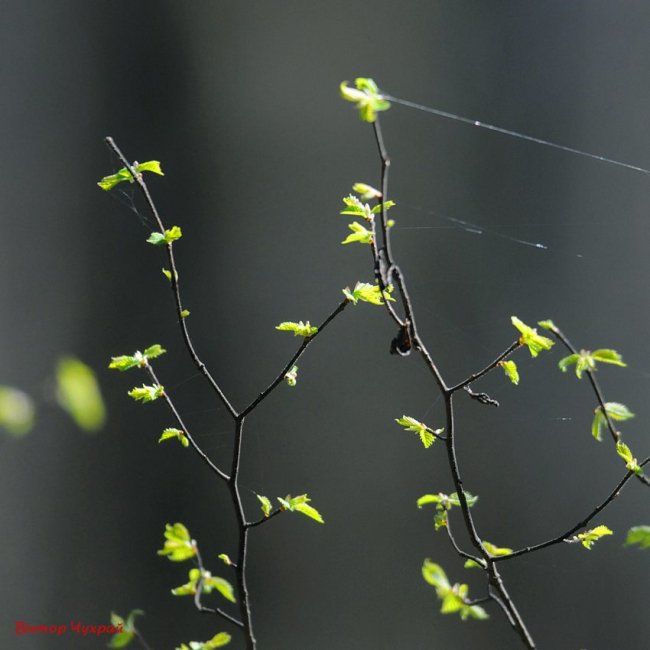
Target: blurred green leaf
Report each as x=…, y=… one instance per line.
x=146, y=393
x=590, y=537
x=426, y=434
x=171, y=432
x=178, y=545
x=368, y=293
x=638, y=535
x=17, y=411
x=366, y=96
x=79, y=395
x=266, y=504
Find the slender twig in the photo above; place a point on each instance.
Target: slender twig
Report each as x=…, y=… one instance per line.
x=174, y=277
x=457, y=548
x=199, y=591
x=299, y=352
x=477, y=375
x=222, y=475
x=263, y=520
x=615, y=434
x=141, y=640
x=581, y=524
x=499, y=590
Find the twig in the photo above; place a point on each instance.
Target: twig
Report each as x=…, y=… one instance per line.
x=581, y=524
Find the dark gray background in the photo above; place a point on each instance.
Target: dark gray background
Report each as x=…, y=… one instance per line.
x=239, y=100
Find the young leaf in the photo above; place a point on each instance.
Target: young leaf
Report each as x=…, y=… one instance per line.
x=638, y=535
x=109, y=182
x=208, y=584
x=626, y=454
x=427, y=435
x=217, y=641
x=366, y=192
x=356, y=208
x=368, y=293
x=366, y=96
x=387, y=205
x=292, y=376
x=146, y=393
x=529, y=337
x=168, y=274
x=185, y=313
x=496, y=551
x=359, y=234
x=300, y=504
x=548, y=325
x=225, y=559
x=298, y=329
x=590, y=537
x=609, y=356
x=266, y=504
x=169, y=236
x=170, y=432
x=510, y=368
x=615, y=410
x=154, y=351
x=178, y=544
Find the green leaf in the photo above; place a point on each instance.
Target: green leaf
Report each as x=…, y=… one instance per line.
x=209, y=583
x=168, y=274
x=609, y=356
x=131, y=618
x=454, y=598
x=427, y=435
x=626, y=454
x=368, y=293
x=266, y=504
x=79, y=395
x=154, y=351
x=17, y=411
x=387, y=205
x=178, y=545
x=185, y=313
x=356, y=208
x=121, y=639
x=150, y=166
x=496, y=551
x=590, y=537
x=440, y=519
x=548, y=325
x=446, y=501
x=615, y=410
x=359, y=234
x=109, y=182
x=638, y=535
x=217, y=641
x=225, y=559
x=366, y=96
x=146, y=393
x=169, y=236
x=291, y=377
x=530, y=338
x=298, y=329
x=586, y=360
x=170, y=432
x=366, y=192
x=510, y=368
x=300, y=504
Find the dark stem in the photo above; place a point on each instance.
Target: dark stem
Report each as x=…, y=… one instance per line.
x=263, y=520
x=477, y=375
x=222, y=475
x=197, y=596
x=240, y=569
x=174, y=277
x=581, y=524
x=299, y=352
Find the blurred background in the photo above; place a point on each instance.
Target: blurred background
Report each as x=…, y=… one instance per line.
x=239, y=101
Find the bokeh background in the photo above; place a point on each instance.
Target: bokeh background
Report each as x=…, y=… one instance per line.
x=239, y=100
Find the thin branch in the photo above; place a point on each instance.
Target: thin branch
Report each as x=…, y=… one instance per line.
x=263, y=520
x=299, y=352
x=581, y=524
x=141, y=639
x=477, y=375
x=222, y=475
x=174, y=277
x=199, y=590
x=457, y=548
